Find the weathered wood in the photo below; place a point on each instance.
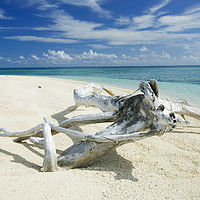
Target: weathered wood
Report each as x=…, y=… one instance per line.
x=50, y=159
x=133, y=117
x=88, y=96
x=85, y=153
x=181, y=107
x=134, y=136
x=78, y=120
x=90, y=119
x=178, y=106
x=36, y=141
x=22, y=134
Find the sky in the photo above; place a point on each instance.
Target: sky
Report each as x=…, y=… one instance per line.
x=75, y=33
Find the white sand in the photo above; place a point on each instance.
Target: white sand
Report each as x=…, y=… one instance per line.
x=166, y=167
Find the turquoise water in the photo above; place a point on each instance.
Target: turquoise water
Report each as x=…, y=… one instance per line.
x=174, y=82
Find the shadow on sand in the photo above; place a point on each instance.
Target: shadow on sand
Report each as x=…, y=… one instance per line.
x=18, y=159
x=112, y=162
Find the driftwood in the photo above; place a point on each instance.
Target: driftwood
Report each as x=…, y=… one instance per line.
x=134, y=117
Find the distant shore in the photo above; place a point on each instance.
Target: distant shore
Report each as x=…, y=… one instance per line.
x=165, y=167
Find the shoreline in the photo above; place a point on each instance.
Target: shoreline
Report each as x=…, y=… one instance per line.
x=165, y=167
x=171, y=93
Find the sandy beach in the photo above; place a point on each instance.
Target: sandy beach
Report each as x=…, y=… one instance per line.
x=157, y=168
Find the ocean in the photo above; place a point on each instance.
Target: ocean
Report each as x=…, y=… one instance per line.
x=174, y=81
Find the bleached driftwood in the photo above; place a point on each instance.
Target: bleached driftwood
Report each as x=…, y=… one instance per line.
x=50, y=159
x=133, y=117
x=130, y=114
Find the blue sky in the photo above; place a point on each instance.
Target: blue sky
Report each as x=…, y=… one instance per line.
x=61, y=33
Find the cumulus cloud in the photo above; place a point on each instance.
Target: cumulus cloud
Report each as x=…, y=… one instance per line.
x=193, y=57
x=186, y=46
x=92, y=58
x=57, y=56
x=21, y=57
x=165, y=55
x=148, y=58
x=143, y=49
x=90, y=55
x=35, y=57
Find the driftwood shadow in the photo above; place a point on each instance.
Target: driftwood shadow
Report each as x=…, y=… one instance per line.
x=30, y=147
x=18, y=159
x=113, y=162
x=60, y=116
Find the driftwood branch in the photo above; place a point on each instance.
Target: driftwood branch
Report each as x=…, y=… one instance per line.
x=36, y=141
x=90, y=119
x=50, y=159
x=27, y=133
x=133, y=117
x=106, y=138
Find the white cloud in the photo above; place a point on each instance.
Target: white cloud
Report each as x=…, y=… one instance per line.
x=91, y=58
x=123, y=20
x=129, y=57
x=165, y=55
x=193, y=9
x=46, y=6
x=58, y=56
x=190, y=19
x=184, y=57
x=3, y=16
x=84, y=30
x=90, y=55
x=144, y=21
x=158, y=29
x=162, y=56
x=143, y=49
x=26, y=3
x=98, y=46
x=41, y=39
x=186, y=46
x=71, y=27
x=35, y=57
x=159, y=6
x=94, y=5
x=148, y=58
x=193, y=57
x=21, y=57
x=62, y=58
